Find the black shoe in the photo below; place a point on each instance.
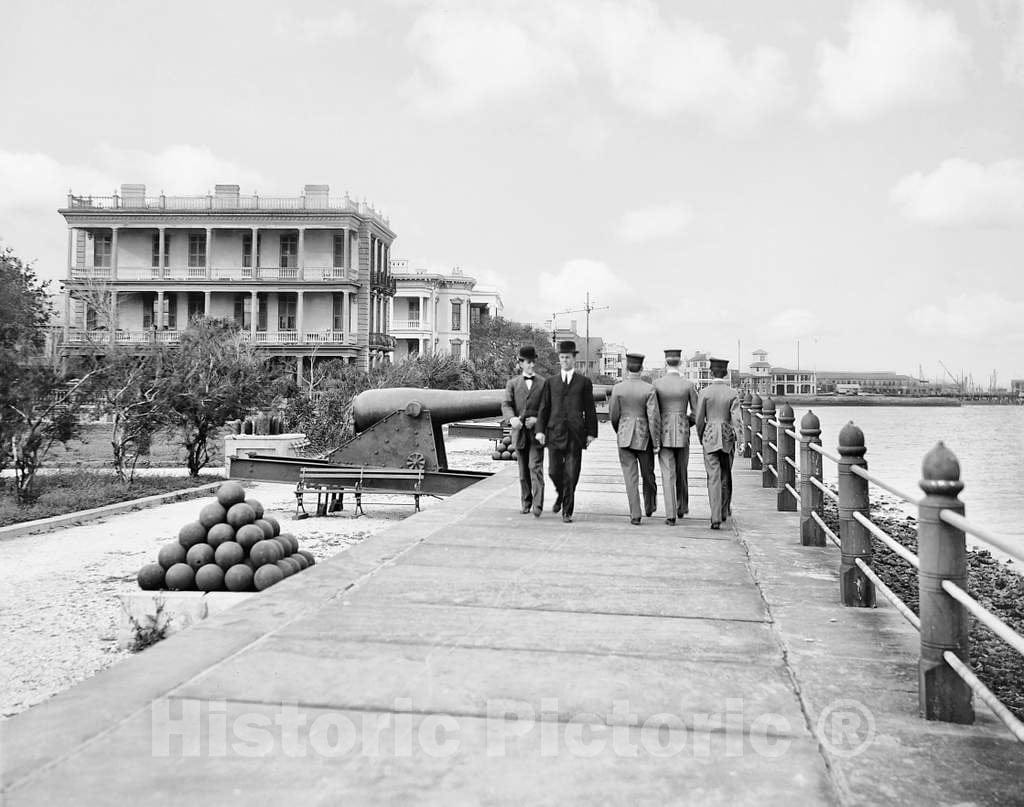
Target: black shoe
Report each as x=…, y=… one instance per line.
x=650, y=512
x=524, y=509
x=558, y=505
x=536, y=512
x=635, y=522
x=716, y=525
x=670, y=521
x=567, y=519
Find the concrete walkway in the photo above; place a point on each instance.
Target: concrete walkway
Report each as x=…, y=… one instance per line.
x=474, y=655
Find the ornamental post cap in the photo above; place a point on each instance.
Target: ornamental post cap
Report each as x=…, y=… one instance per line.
x=768, y=406
x=851, y=436
x=785, y=412
x=809, y=422
x=747, y=398
x=755, y=400
x=940, y=464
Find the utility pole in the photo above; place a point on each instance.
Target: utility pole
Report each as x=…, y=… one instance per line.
x=587, y=308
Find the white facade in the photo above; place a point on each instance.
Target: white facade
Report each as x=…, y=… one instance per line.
x=613, y=360
x=431, y=311
x=697, y=369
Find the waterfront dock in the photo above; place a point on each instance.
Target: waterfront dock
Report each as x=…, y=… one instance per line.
x=471, y=654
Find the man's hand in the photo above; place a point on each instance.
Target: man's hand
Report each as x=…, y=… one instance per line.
x=590, y=439
x=515, y=422
x=540, y=439
x=531, y=422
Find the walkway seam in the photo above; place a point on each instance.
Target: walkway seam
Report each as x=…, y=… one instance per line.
x=840, y=788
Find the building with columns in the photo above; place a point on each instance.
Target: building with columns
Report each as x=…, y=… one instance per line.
x=432, y=311
x=306, y=277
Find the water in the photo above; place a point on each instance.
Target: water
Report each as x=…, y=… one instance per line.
x=988, y=441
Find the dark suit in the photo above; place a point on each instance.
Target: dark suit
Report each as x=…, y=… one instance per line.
x=566, y=418
x=634, y=413
x=523, y=401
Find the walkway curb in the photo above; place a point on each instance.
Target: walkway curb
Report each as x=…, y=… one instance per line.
x=82, y=516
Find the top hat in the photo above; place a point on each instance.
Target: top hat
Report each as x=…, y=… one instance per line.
x=720, y=365
x=528, y=352
x=568, y=346
x=634, y=362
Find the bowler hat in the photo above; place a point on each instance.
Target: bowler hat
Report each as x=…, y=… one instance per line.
x=568, y=346
x=528, y=352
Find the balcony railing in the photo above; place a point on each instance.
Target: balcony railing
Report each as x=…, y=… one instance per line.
x=142, y=337
x=308, y=274
x=409, y=325
x=232, y=202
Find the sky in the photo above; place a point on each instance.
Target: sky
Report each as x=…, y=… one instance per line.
x=842, y=179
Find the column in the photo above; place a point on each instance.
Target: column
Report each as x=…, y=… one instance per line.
x=254, y=263
x=209, y=251
x=346, y=249
x=85, y=316
x=302, y=260
x=161, y=246
x=67, y=315
x=158, y=317
x=254, y=310
x=346, y=315
x=113, y=252
x=71, y=243
x=113, y=317
x=298, y=311
x=206, y=304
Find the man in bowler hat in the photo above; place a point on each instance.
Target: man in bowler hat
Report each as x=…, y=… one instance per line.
x=566, y=424
x=635, y=416
x=677, y=400
x=718, y=427
x=519, y=409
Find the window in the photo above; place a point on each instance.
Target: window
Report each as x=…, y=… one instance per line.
x=456, y=316
x=101, y=250
x=338, y=319
x=414, y=312
x=243, y=310
x=148, y=309
x=90, y=318
x=261, y=313
x=196, y=305
x=474, y=315
x=247, y=250
x=456, y=349
x=155, y=256
x=171, y=310
x=339, y=250
x=289, y=251
x=197, y=249
x=286, y=312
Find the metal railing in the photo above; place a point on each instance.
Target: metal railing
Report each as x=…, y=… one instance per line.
x=173, y=336
x=326, y=274
x=409, y=325
x=946, y=682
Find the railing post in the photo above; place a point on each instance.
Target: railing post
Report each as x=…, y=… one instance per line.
x=787, y=450
x=755, y=432
x=745, y=414
x=855, y=540
x=767, y=436
x=811, y=497
x=941, y=549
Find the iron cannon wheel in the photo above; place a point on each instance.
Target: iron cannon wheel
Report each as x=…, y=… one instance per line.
x=416, y=460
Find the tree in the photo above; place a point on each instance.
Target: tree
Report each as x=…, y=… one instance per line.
x=494, y=349
x=212, y=376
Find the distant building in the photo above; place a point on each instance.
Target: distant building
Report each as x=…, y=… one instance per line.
x=432, y=311
x=875, y=383
x=760, y=372
x=588, y=359
x=484, y=303
x=613, y=360
x=1017, y=387
x=697, y=369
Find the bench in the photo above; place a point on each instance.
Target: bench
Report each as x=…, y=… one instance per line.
x=331, y=485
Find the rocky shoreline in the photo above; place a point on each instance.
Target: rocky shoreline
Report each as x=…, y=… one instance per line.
x=998, y=586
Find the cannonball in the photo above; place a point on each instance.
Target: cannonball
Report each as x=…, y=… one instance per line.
x=299, y=559
x=170, y=554
x=287, y=567
x=238, y=578
x=228, y=554
x=230, y=493
x=285, y=547
x=266, y=576
x=265, y=552
x=210, y=578
x=151, y=577
x=257, y=508
x=290, y=541
x=199, y=555
x=273, y=523
x=266, y=526
x=219, y=533
x=496, y=455
x=308, y=556
x=506, y=455
x=248, y=536
x=191, y=534
x=213, y=513
x=180, y=577
x=241, y=514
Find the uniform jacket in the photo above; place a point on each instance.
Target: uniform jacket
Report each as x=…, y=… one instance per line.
x=522, y=403
x=718, y=417
x=566, y=410
x=634, y=413
x=677, y=399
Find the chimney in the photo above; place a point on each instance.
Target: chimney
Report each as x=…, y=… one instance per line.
x=133, y=195
x=226, y=195
x=316, y=195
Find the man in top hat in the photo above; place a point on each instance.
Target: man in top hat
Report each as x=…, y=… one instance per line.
x=519, y=409
x=566, y=424
x=677, y=400
x=635, y=416
x=718, y=428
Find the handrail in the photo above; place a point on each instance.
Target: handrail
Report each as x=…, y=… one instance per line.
x=1000, y=542
x=888, y=540
x=874, y=480
x=986, y=617
x=824, y=453
x=825, y=528
x=791, y=463
x=825, y=489
x=793, y=434
x=773, y=447
x=1015, y=726
x=889, y=594
x=773, y=471
x=793, y=493
x=774, y=423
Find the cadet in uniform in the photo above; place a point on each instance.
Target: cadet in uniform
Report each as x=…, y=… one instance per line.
x=677, y=400
x=519, y=409
x=718, y=428
x=634, y=414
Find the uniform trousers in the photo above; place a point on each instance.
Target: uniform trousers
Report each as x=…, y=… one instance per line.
x=638, y=464
x=719, y=468
x=674, y=464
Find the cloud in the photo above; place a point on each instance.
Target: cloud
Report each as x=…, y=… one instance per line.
x=567, y=287
x=964, y=193
x=793, y=323
x=898, y=54
x=649, y=63
x=649, y=223
x=971, y=316
x=341, y=25
x=1008, y=17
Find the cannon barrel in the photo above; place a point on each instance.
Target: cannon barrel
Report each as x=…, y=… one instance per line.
x=446, y=406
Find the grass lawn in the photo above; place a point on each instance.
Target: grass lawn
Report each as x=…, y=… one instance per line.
x=93, y=451
x=69, y=491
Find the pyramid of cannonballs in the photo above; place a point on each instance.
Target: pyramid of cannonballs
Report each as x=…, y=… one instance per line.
x=232, y=547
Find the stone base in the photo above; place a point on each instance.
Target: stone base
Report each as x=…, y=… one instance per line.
x=169, y=611
x=281, y=445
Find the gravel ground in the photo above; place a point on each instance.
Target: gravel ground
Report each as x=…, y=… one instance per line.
x=58, y=606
